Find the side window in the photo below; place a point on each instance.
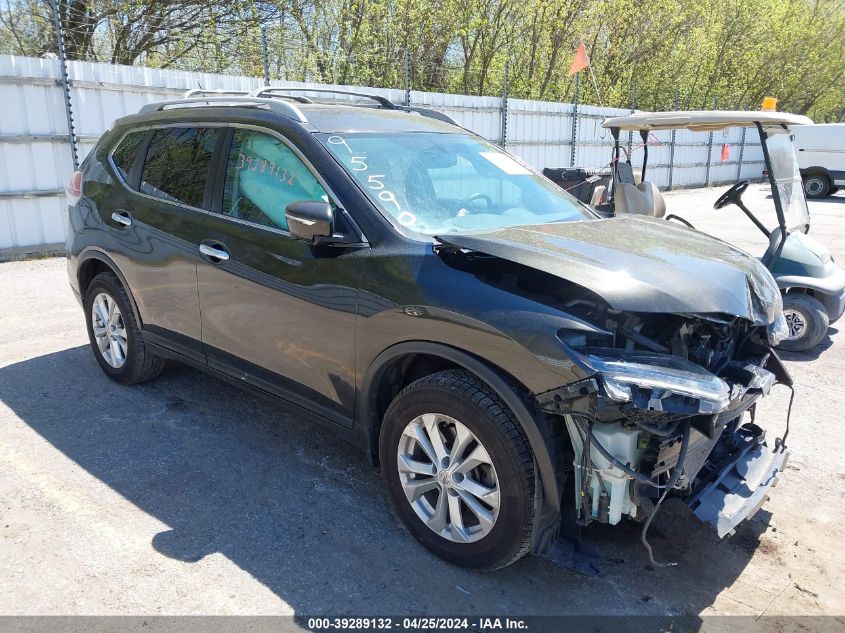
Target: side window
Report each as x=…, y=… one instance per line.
x=124, y=155
x=263, y=176
x=177, y=164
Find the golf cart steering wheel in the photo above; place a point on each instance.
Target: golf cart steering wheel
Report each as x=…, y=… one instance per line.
x=732, y=195
x=477, y=196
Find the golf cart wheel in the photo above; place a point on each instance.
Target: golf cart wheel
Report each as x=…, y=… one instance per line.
x=807, y=321
x=816, y=186
x=459, y=470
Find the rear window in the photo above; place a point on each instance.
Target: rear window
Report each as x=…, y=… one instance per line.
x=124, y=154
x=177, y=164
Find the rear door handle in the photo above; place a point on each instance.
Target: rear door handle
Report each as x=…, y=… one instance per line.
x=122, y=217
x=214, y=251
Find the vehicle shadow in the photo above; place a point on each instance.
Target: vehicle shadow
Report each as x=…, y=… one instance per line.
x=811, y=354
x=833, y=199
x=305, y=515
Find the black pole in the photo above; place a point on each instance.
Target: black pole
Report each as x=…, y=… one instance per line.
x=633, y=109
x=504, y=109
x=644, y=137
x=60, y=43
x=676, y=105
x=264, y=57
x=574, y=124
x=406, y=63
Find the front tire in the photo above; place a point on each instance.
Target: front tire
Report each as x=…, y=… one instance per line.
x=816, y=186
x=114, y=333
x=459, y=470
x=807, y=320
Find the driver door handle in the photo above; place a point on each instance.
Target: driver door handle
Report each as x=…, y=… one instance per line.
x=214, y=251
x=122, y=217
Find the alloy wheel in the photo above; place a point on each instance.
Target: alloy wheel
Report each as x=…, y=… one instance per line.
x=448, y=478
x=796, y=323
x=109, y=330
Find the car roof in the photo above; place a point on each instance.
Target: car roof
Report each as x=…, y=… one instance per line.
x=702, y=120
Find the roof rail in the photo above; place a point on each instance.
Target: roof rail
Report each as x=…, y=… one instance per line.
x=281, y=90
x=432, y=114
x=199, y=92
x=278, y=106
x=267, y=93
x=276, y=99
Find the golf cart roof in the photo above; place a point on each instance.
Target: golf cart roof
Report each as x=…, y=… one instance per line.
x=702, y=120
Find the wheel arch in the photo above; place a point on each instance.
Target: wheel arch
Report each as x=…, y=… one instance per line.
x=805, y=290
x=372, y=405
x=816, y=170
x=93, y=262
x=817, y=288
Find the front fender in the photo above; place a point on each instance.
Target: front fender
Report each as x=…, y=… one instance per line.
x=493, y=378
x=538, y=372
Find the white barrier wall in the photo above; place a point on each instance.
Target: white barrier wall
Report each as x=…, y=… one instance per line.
x=35, y=158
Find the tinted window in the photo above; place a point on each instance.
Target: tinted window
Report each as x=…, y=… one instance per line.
x=177, y=164
x=263, y=176
x=124, y=155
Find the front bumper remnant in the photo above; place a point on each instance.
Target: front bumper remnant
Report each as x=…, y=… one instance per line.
x=738, y=486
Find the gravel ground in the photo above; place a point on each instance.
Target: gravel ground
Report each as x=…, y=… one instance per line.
x=186, y=496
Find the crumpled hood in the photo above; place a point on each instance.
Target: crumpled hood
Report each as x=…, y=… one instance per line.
x=640, y=264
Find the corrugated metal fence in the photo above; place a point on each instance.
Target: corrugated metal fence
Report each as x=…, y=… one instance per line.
x=35, y=158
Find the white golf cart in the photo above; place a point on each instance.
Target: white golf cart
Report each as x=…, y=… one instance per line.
x=813, y=287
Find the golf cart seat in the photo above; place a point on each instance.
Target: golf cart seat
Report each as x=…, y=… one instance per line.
x=643, y=199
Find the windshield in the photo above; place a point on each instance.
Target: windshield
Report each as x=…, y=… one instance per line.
x=784, y=170
x=434, y=183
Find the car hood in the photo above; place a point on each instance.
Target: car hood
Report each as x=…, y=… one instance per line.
x=640, y=264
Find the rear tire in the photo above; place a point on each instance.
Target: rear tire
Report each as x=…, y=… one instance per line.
x=475, y=508
x=114, y=333
x=807, y=320
x=816, y=186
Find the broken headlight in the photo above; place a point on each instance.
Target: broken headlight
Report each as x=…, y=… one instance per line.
x=661, y=375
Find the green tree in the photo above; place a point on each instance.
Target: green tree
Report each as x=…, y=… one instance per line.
x=730, y=53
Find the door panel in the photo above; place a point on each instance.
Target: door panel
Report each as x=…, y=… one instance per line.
x=152, y=234
x=278, y=313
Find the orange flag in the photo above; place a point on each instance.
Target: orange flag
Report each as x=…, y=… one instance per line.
x=580, y=61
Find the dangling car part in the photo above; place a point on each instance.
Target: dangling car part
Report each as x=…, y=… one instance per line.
x=648, y=424
x=813, y=287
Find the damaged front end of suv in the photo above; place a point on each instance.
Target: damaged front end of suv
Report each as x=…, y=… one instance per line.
x=674, y=357
x=669, y=409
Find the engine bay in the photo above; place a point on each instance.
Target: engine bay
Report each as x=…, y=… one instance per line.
x=671, y=406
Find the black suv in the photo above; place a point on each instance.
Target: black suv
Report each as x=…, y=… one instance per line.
x=516, y=366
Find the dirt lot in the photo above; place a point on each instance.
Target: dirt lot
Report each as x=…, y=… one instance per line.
x=186, y=496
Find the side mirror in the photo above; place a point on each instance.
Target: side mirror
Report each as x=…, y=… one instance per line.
x=310, y=220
